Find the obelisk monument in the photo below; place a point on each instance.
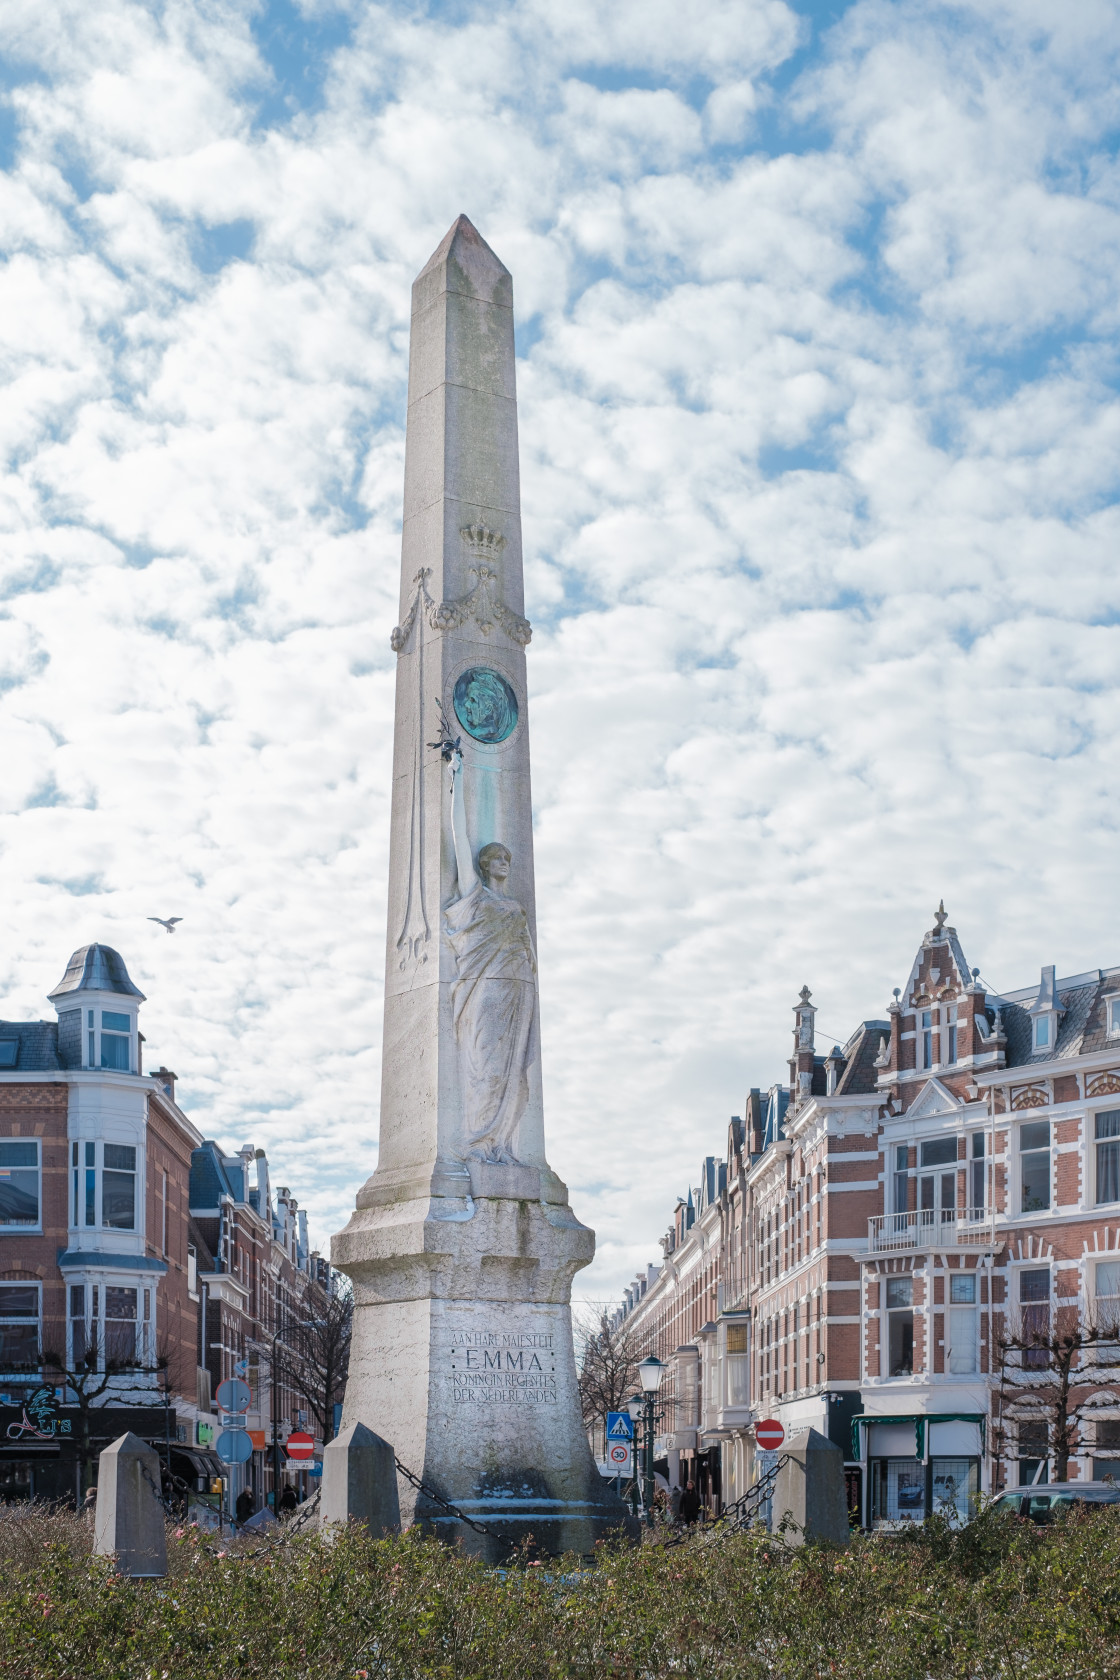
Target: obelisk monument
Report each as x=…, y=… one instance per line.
x=462, y=1247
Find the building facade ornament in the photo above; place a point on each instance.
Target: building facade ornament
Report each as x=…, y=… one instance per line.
x=483, y=604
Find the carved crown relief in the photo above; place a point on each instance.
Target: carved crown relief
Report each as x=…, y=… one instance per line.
x=483, y=603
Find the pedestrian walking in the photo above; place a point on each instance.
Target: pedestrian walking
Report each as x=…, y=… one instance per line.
x=690, y=1504
x=244, y=1506
x=675, y=1495
x=288, y=1501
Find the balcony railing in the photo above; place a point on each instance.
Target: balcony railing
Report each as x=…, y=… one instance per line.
x=891, y=1233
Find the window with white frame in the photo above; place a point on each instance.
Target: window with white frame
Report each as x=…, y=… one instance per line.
x=1042, y=1032
x=20, y=1168
x=1106, y=1133
x=949, y=1035
x=964, y=1325
x=978, y=1176
x=901, y=1178
x=83, y=1165
x=1034, y=1315
x=900, y=1326
x=738, y=1370
x=1114, y=1017
x=926, y=1032
x=120, y=1325
x=115, y=1040
x=19, y=1327
x=1034, y=1157
x=79, y=1326
x=118, y=1187
x=1106, y=1305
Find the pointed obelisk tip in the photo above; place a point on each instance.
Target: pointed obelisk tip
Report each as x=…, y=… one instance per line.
x=470, y=265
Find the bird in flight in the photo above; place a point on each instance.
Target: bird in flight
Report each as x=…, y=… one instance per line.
x=169, y=924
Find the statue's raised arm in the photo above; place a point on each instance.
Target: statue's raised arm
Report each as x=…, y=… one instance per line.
x=464, y=858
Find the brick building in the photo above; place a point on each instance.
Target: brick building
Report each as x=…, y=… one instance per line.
x=94, y=1171
x=257, y=1282
x=948, y=1177
x=137, y=1262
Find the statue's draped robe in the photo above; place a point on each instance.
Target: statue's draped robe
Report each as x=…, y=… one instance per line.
x=494, y=1008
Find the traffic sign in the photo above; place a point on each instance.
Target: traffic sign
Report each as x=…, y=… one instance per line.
x=233, y=1395
x=620, y=1426
x=234, y=1446
x=618, y=1457
x=299, y=1445
x=769, y=1434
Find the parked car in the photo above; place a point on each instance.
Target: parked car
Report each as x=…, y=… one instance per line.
x=1043, y=1502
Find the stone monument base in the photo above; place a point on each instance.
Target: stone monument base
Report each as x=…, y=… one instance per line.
x=462, y=1358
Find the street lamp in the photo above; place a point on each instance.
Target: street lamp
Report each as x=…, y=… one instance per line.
x=284, y=1330
x=636, y=1406
x=650, y=1373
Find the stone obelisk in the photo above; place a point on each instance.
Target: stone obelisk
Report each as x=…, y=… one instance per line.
x=462, y=1247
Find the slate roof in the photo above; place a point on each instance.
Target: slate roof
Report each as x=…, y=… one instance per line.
x=38, y=1046
x=214, y=1175
x=1082, y=1028
x=96, y=968
x=860, y=1074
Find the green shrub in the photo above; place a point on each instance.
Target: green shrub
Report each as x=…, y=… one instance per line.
x=1000, y=1599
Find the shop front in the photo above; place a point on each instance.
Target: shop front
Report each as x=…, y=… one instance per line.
x=40, y=1444
x=919, y=1464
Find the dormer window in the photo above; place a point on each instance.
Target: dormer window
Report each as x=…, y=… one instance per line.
x=115, y=1031
x=1046, y=1013
x=1114, y=1017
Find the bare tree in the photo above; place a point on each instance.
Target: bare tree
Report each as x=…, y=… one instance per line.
x=314, y=1358
x=88, y=1379
x=1053, y=1377
x=607, y=1354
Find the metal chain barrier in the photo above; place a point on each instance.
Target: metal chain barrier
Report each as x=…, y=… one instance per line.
x=446, y=1505
x=309, y=1510
x=737, y=1518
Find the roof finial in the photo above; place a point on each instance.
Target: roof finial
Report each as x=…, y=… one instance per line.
x=940, y=916
x=806, y=994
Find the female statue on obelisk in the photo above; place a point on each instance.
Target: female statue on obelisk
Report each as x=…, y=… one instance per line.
x=494, y=997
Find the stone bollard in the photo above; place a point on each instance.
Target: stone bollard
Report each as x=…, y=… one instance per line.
x=810, y=1488
x=129, y=1521
x=360, y=1482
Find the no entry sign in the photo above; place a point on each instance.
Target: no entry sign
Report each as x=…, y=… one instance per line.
x=299, y=1445
x=769, y=1434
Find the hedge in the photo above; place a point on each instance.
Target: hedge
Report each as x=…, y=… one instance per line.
x=999, y=1599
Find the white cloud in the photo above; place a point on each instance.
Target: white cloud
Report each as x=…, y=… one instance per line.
x=819, y=429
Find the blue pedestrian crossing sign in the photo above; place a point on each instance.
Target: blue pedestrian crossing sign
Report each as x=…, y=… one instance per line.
x=620, y=1426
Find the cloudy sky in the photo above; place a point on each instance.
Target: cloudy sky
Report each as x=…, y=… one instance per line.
x=817, y=326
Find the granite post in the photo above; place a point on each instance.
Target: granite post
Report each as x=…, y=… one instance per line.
x=810, y=1489
x=462, y=1246
x=129, y=1520
x=359, y=1482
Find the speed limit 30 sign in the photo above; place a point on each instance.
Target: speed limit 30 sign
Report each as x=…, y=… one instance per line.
x=618, y=1457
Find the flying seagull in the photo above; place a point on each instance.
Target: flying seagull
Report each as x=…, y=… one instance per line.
x=169, y=924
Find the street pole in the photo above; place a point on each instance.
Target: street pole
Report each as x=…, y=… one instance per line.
x=275, y=1432
x=650, y=1371
x=647, y=1464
